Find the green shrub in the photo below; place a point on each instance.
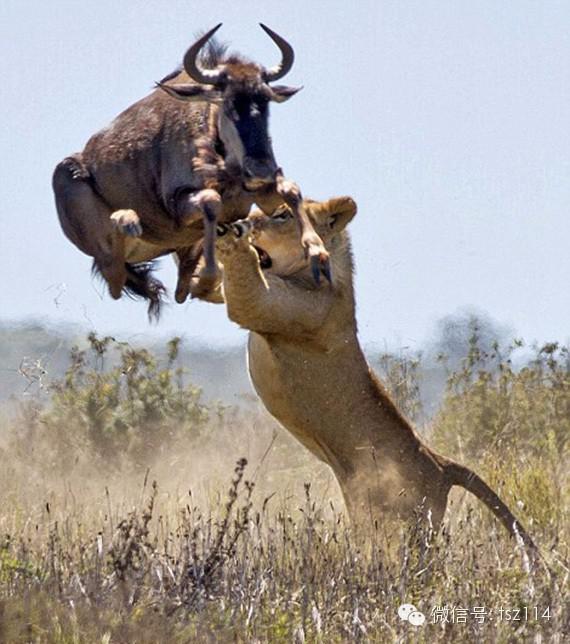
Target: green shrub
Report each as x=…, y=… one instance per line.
x=490, y=405
x=131, y=409
x=401, y=375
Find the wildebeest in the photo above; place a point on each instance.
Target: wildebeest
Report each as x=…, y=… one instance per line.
x=195, y=152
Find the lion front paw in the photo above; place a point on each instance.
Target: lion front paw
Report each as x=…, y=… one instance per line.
x=207, y=283
x=230, y=239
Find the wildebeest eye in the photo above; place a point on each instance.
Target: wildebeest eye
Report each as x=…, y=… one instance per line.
x=261, y=102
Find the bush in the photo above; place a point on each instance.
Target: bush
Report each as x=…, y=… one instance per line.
x=401, y=375
x=513, y=426
x=265, y=563
x=131, y=409
x=491, y=405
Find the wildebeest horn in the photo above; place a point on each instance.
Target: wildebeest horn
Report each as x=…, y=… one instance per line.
x=205, y=76
x=287, y=53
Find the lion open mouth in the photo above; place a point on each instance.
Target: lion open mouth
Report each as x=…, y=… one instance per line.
x=264, y=259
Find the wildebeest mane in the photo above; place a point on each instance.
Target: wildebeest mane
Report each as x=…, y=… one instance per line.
x=213, y=54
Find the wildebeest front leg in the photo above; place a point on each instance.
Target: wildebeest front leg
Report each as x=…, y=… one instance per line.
x=208, y=203
x=311, y=242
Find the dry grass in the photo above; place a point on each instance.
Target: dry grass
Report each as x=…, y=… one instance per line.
x=95, y=552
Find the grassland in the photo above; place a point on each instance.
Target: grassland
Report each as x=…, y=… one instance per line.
x=131, y=511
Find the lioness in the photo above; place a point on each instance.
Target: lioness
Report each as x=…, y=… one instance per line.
x=307, y=366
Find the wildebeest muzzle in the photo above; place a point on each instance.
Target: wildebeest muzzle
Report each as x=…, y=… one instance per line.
x=258, y=173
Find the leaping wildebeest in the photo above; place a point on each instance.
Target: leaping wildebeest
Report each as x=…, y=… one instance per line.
x=158, y=179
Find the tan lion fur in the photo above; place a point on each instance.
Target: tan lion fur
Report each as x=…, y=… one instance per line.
x=309, y=370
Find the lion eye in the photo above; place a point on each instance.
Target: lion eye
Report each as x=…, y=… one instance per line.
x=281, y=215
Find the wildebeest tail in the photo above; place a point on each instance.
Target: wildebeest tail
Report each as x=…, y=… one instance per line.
x=463, y=476
x=141, y=284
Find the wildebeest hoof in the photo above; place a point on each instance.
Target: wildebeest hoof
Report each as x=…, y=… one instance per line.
x=289, y=191
x=207, y=201
x=127, y=222
x=181, y=294
x=321, y=265
x=319, y=260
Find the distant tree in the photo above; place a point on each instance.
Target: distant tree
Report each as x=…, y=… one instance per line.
x=458, y=333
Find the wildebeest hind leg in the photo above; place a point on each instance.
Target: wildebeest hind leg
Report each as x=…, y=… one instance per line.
x=112, y=266
x=85, y=219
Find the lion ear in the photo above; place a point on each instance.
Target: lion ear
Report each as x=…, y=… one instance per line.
x=335, y=213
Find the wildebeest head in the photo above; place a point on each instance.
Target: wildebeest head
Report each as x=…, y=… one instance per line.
x=242, y=91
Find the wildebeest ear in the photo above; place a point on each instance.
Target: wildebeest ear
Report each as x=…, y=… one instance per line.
x=282, y=93
x=335, y=213
x=191, y=92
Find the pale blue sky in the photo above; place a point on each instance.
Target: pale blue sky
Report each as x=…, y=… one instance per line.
x=447, y=121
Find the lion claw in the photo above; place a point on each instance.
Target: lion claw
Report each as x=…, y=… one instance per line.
x=241, y=227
